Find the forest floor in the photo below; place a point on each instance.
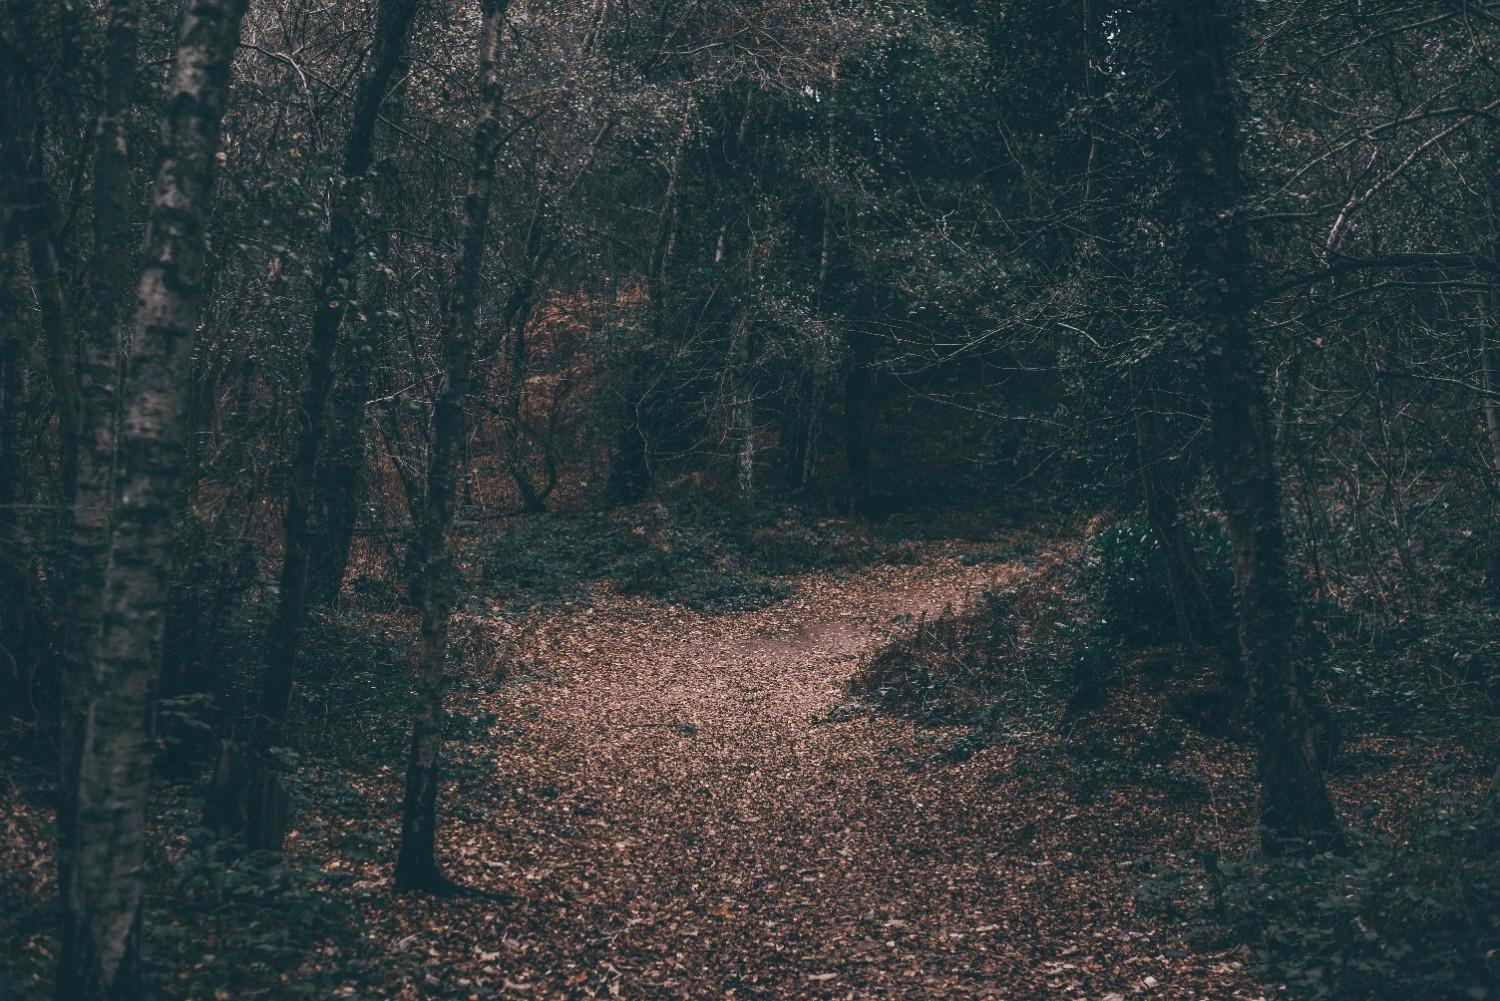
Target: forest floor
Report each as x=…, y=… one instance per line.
x=664, y=803
x=688, y=806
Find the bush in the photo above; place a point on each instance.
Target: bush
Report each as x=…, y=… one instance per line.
x=1127, y=575
x=699, y=555
x=246, y=919
x=1415, y=917
x=1005, y=651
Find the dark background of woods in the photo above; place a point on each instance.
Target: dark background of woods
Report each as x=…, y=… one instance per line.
x=1226, y=269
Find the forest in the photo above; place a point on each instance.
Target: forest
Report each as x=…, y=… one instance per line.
x=750, y=499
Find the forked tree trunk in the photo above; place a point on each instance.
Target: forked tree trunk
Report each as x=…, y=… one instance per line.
x=101, y=935
x=338, y=485
x=265, y=807
x=1295, y=811
x=416, y=863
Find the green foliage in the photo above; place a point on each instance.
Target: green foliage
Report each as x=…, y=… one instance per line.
x=1443, y=663
x=1003, y=654
x=699, y=555
x=1127, y=574
x=1408, y=917
x=354, y=683
x=246, y=919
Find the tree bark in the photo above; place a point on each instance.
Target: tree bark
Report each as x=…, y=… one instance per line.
x=109, y=295
x=416, y=863
x=16, y=574
x=1295, y=811
x=742, y=409
x=100, y=956
x=516, y=318
x=632, y=469
x=339, y=481
x=265, y=825
x=1163, y=487
x=862, y=400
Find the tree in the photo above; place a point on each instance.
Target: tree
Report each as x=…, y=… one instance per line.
x=416, y=863
x=1215, y=253
x=107, y=310
x=101, y=941
x=261, y=810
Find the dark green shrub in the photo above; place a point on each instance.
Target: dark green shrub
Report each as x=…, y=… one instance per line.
x=245, y=919
x=1127, y=574
x=1414, y=917
x=700, y=555
x=1008, y=652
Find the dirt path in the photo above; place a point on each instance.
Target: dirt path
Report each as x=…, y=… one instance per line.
x=676, y=824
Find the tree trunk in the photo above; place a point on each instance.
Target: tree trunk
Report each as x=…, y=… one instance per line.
x=15, y=557
x=101, y=936
x=416, y=863
x=1163, y=488
x=517, y=316
x=1492, y=429
x=109, y=292
x=338, y=485
x=742, y=410
x=1295, y=811
x=861, y=409
x=16, y=572
x=1487, y=380
x=33, y=212
x=264, y=826
x=631, y=471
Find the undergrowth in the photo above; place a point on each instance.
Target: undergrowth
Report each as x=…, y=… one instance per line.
x=1065, y=627
x=1410, y=916
x=700, y=555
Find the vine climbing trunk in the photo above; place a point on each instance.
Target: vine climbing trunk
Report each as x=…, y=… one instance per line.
x=416, y=862
x=101, y=929
x=1295, y=811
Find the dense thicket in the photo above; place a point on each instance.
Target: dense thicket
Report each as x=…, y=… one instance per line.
x=292, y=294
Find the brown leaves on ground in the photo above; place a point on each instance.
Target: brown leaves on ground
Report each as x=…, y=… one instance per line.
x=675, y=823
x=685, y=806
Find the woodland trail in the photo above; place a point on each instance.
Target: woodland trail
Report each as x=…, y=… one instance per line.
x=677, y=820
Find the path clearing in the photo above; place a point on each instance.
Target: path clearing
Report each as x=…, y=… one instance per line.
x=675, y=824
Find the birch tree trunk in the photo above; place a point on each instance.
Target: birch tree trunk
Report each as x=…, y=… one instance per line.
x=416, y=863
x=100, y=956
x=1295, y=811
x=108, y=300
